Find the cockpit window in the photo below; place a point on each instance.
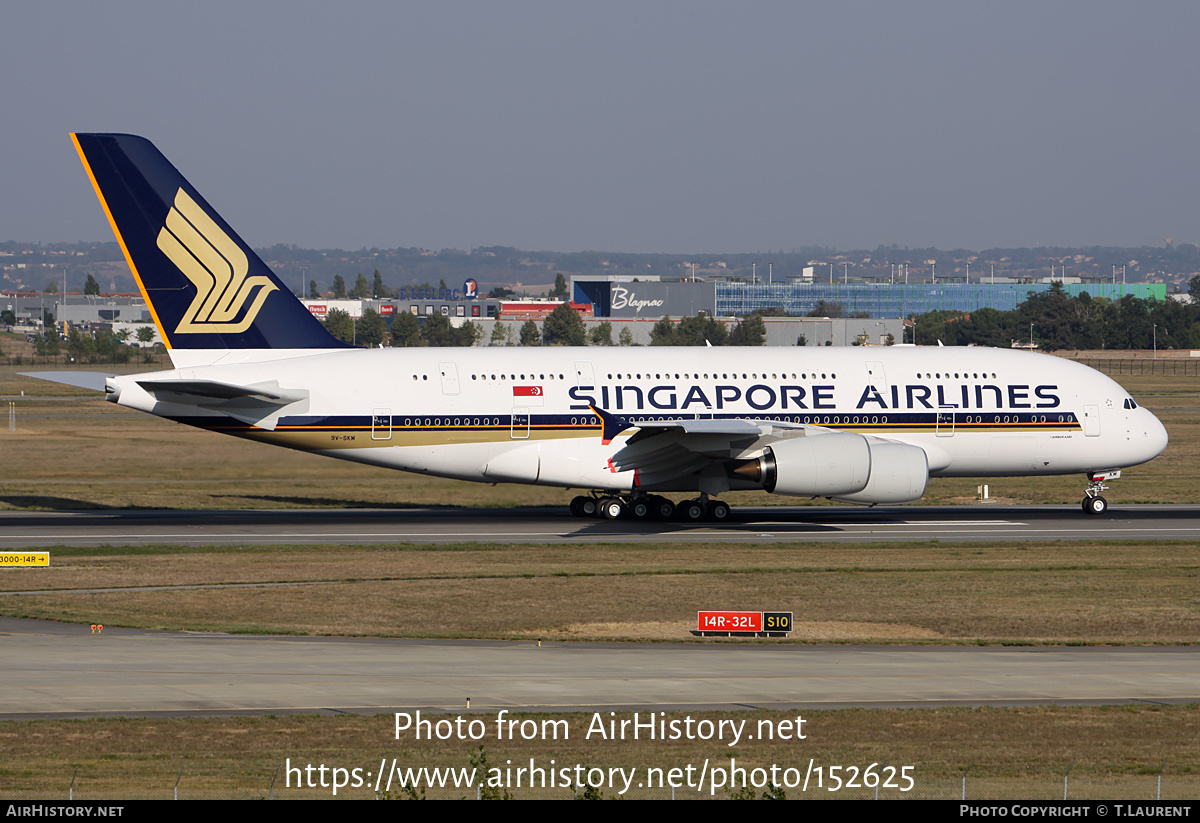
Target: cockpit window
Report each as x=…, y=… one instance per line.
x=1130, y=403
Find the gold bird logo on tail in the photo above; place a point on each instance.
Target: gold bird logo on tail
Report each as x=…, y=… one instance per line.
x=214, y=263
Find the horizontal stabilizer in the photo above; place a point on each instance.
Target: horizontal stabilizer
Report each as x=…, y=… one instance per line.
x=259, y=404
x=93, y=380
x=215, y=390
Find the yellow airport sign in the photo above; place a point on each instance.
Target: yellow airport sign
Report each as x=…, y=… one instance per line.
x=24, y=559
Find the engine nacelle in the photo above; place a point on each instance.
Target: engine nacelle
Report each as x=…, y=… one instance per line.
x=819, y=465
x=899, y=474
x=842, y=466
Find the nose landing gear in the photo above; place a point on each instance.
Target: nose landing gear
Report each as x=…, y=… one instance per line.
x=1093, y=503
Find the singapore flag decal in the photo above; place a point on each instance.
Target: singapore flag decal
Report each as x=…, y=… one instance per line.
x=528, y=395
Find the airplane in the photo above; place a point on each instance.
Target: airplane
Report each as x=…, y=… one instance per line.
x=625, y=425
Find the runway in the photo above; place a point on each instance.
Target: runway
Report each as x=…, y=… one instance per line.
x=61, y=671
x=826, y=524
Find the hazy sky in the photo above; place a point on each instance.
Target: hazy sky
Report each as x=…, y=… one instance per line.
x=620, y=126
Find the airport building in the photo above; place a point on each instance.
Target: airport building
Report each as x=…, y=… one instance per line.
x=720, y=298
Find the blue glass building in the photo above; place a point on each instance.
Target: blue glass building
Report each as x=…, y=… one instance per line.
x=901, y=299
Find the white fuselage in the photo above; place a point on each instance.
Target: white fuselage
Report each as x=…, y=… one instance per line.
x=525, y=414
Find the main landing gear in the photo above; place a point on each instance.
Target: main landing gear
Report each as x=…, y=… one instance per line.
x=650, y=507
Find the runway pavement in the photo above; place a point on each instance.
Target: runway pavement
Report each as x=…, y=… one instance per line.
x=22, y=529
x=59, y=670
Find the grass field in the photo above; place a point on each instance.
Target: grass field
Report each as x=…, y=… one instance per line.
x=1033, y=593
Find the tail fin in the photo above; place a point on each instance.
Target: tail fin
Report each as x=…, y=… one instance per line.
x=205, y=287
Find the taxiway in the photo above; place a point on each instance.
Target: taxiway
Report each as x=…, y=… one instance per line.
x=22, y=529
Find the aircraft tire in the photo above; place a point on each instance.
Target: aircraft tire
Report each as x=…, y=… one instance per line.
x=588, y=507
x=691, y=511
x=612, y=508
x=641, y=509
x=718, y=511
x=664, y=509
x=1095, y=505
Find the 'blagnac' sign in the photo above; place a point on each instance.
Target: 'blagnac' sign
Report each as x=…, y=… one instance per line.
x=653, y=300
x=623, y=298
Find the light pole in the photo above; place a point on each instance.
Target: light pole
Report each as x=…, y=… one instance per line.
x=1155, y=332
x=1031, y=325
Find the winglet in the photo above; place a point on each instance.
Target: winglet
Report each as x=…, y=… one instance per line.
x=610, y=425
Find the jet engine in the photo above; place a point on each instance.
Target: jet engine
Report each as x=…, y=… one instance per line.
x=840, y=465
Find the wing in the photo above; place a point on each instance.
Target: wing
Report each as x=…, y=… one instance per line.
x=666, y=451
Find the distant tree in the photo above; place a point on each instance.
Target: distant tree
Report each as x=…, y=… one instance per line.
x=8, y=317
x=663, y=333
x=340, y=325
x=827, y=308
x=145, y=334
x=47, y=343
x=371, y=329
x=530, y=336
x=378, y=290
x=700, y=330
x=750, y=332
x=625, y=338
x=312, y=290
x=469, y=333
x=559, y=292
x=801, y=341
x=91, y=286
x=52, y=287
x=564, y=327
x=81, y=345
x=1194, y=288
x=601, y=334
x=437, y=331
x=499, y=335
x=406, y=330
x=362, y=289
x=339, y=286
x=891, y=339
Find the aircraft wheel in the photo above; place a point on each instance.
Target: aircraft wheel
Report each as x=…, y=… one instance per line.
x=1095, y=505
x=641, y=509
x=691, y=510
x=612, y=508
x=588, y=506
x=664, y=509
x=577, y=506
x=718, y=511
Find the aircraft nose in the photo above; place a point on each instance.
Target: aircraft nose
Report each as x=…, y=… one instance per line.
x=1154, y=436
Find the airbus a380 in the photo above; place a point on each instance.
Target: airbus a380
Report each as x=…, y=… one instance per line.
x=625, y=425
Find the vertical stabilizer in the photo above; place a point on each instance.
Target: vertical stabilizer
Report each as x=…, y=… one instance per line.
x=205, y=287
